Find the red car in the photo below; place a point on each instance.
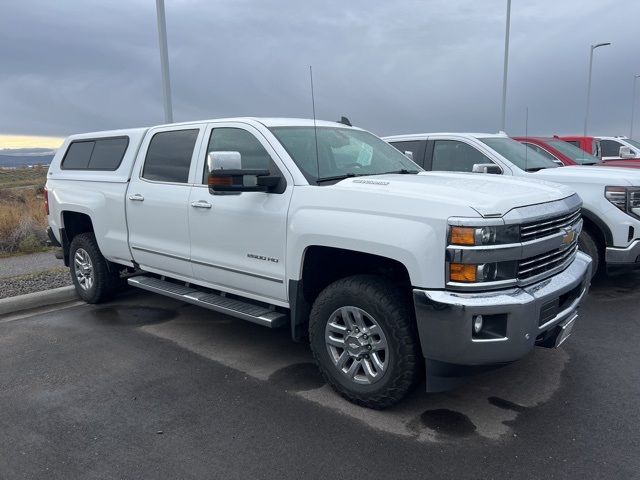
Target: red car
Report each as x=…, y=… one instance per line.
x=567, y=153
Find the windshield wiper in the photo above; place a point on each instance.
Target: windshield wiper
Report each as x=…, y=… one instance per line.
x=337, y=177
x=536, y=169
x=402, y=171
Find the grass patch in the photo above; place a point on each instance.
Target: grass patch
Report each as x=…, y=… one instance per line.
x=23, y=221
x=23, y=177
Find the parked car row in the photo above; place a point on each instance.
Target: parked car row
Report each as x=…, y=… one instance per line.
x=611, y=196
x=395, y=263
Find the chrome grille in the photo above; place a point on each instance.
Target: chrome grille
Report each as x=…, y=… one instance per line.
x=546, y=227
x=533, y=266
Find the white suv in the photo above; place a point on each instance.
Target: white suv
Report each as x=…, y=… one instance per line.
x=611, y=196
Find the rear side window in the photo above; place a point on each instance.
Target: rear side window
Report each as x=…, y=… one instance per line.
x=98, y=154
x=169, y=156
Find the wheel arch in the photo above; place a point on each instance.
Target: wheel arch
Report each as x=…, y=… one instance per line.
x=322, y=265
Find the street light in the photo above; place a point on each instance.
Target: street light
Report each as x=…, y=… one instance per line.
x=633, y=104
x=586, y=116
x=164, y=61
x=506, y=64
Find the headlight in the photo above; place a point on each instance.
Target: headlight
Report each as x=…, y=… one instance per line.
x=484, y=272
x=488, y=235
x=626, y=199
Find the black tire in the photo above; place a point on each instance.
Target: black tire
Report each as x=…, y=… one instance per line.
x=106, y=276
x=588, y=245
x=392, y=310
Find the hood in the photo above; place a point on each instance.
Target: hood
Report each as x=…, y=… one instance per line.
x=489, y=195
x=628, y=163
x=590, y=175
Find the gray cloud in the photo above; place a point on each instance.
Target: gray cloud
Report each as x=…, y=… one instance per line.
x=392, y=67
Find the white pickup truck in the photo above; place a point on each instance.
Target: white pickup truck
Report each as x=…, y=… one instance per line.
x=611, y=196
x=332, y=232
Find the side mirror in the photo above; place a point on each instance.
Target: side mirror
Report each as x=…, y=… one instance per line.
x=408, y=154
x=226, y=175
x=625, y=152
x=487, y=168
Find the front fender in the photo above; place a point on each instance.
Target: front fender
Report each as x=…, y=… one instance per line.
x=417, y=245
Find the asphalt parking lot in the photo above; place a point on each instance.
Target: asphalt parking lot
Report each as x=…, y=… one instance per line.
x=147, y=387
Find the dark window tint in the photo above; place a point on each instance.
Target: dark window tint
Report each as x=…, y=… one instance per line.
x=107, y=154
x=455, y=156
x=610, y=148
x=253, y=154
x=573, y=142
x=169, y=156
x=99, y=154
x=414, y=147
x=78, y=156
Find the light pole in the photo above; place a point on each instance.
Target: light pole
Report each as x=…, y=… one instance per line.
x=164, y=61
x=586, y=116
x=506, y=65
x=633, y=104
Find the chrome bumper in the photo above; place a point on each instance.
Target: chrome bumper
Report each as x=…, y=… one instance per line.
x=621, y=256
x=516, y=319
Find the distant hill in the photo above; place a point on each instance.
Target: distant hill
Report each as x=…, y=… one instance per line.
x=23, y=157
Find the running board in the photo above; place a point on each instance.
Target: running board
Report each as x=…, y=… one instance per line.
x=262, y=315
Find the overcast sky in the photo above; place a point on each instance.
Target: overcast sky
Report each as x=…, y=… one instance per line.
x=390, y=66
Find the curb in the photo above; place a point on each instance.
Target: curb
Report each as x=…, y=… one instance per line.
x=38, y=299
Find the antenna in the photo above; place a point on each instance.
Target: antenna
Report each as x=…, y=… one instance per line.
x=526, y=135
x=315, y=128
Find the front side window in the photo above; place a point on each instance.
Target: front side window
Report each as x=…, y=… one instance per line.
x=456, y=156
x=610, y=148
x=169, y=156
x=332, y=153
x=518, y=154
x=413, y=147
x=253, y=155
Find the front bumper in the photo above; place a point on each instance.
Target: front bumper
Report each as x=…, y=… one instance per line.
x=623, y=256
x=520, y=318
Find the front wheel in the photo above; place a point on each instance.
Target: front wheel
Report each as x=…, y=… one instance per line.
x=363, y=337
x=94, y=277
x=588, y=245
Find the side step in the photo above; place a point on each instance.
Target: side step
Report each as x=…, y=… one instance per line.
x=262, y=315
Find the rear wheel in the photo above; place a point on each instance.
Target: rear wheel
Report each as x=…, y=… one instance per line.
x=363, y=337
x=95, y=278
x=588, y=244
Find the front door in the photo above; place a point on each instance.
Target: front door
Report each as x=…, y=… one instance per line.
x=157, y=201
x=238, y=241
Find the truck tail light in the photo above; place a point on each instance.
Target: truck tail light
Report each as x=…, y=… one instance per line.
x=46, y=200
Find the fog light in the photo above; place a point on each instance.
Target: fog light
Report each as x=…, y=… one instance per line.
x=477, y=323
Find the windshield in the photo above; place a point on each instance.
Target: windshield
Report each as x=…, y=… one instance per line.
x=574, y=153
x=341, y=152
x=633, y=143
x=519, y=154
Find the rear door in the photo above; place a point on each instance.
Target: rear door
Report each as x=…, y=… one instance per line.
x=157, y=200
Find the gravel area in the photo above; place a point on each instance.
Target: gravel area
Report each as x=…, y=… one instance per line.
x=24, y=264
x=34, y=282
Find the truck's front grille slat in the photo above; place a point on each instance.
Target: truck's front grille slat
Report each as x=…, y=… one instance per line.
x=534, y=230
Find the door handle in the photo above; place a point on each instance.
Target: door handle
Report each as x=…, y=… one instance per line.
x=136, y=197
x=201, y=204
